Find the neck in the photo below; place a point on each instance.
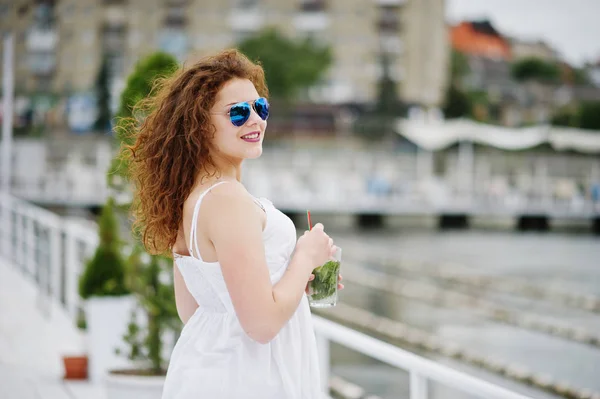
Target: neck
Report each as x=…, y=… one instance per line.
x=226, y=169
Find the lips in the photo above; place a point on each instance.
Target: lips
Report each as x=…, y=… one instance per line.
x=252, y=137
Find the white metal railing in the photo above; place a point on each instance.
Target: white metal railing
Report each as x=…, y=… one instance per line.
x=421, y=370
x=51, y=250
x=47, y=248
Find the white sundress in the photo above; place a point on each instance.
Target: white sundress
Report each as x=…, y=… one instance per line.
x=215, y=359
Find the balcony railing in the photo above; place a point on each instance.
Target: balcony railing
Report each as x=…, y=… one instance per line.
x=421, y=370
x=51, y=250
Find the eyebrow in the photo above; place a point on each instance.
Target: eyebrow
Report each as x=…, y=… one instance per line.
x=237, y=102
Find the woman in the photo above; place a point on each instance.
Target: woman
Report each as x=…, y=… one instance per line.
x=240, y=275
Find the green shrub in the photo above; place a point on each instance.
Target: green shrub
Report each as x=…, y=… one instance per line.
x=104, y=273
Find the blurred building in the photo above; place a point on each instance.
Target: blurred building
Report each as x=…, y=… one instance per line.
x=61, y=44
x=593, y=71
x=521, y=49
x=480, y=38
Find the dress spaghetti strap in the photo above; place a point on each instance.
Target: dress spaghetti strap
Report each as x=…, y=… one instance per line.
x=193, y=232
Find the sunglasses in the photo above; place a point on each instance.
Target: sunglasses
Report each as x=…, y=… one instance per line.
x=240, y=113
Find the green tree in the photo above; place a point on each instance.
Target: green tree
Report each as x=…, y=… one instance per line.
x=388, y=103
x=589, y=115
x=580, y=76
x=147, y=276
x=565, y=117
x=459, y=67
x=141, y=81
x=289, y=65
x=103, y=98
x=104, y=273
x=379, y=122
x=535, y=69
x=139, y=85
x=457, y=104
x=150, y=279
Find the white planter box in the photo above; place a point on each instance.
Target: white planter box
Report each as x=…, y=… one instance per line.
x=107, y=320
x=120, y=386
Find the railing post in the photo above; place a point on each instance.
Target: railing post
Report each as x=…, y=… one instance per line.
x=465, y=170
x=324, y=361
x=418, y=386
x=42, y=264
x=30, y=265
x=8, y=227
x=72, y=273
x=55, y=258
x=4, y=224
x=19, y=238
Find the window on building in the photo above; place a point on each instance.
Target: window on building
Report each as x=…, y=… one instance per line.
x=389, y=19
x=116, y=64
x=41, y=62
x=390, y=42
x=176, y=15
x=247, y=4
x=4, y=10
x=313, y=5
x=43, y=15
x=113, y=38
x=113, y=46
x=174, y=41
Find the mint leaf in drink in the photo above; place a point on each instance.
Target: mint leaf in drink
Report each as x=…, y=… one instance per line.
x=326, y=280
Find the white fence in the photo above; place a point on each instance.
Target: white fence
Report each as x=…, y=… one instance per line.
x=47, y=248
x=51, y=250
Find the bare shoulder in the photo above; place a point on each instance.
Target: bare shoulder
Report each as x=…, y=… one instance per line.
x=229, y=207
x=230, y=192
x=227, y=200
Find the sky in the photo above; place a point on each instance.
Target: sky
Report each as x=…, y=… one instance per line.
x=572, y=27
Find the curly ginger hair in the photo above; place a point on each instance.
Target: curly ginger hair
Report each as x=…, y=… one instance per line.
x=172, y=143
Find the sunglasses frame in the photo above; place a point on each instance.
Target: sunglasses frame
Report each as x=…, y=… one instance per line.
x=248, y=105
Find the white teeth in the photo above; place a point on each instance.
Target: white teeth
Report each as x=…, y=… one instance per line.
x=251, y=136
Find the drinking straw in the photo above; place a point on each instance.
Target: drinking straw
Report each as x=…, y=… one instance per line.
x=309, y=222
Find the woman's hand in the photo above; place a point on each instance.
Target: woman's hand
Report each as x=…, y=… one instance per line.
x=315, y=246
x=312, y=277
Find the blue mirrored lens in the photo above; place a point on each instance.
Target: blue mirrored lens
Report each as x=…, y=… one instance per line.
x=261, y=106
x=239, y=113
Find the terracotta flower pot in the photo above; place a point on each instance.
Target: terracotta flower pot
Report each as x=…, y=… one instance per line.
x=76, y=367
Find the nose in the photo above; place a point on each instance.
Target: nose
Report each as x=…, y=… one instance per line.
x=254, y=119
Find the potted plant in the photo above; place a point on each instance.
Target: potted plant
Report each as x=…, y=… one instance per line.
x=76, y=367
x=154, y=320
x=153, y=323
x=108, y=300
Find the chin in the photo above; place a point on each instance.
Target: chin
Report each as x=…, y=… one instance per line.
x=254, y=152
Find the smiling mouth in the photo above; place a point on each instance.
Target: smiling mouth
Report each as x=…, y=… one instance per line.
x=251, y=136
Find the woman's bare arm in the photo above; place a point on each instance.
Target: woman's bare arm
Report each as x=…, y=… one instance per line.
x=235, y=229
